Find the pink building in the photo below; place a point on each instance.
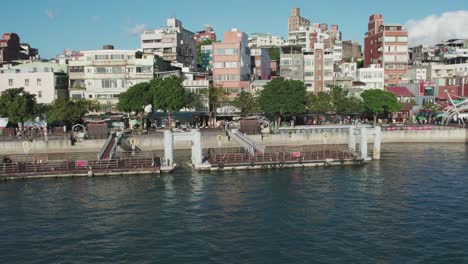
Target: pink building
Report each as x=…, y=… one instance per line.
x=207, y=33
x=231, y=62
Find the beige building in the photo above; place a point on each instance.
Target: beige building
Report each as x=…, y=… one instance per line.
x=295, y=21
x=104, y=74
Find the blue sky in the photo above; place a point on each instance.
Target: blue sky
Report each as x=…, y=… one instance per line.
x=53, y=25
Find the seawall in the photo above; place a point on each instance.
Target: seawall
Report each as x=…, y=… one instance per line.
x=220, y=140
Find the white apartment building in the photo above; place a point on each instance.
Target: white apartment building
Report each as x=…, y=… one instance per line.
x=438, y=71
x=337, y=50
x=172, y=43
x=264, y=40
x=48, y=81
x=373, y=77
x=346, y=70
x=416, y=73
x=104, y=74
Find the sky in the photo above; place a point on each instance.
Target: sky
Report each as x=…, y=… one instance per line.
x=54, y=25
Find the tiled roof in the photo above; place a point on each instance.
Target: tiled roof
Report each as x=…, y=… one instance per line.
x=400, y=91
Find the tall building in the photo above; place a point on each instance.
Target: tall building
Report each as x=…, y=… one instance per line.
x=351, y=50
x=292, y=62
x=207, y=33
x=387, y=46
x=261, y=68
x=48, y=81
x=265, y=40
x=104, y=74
x=206, y=57
x=231, y=62
x=295, y=21
x=173, y=43
x=372, y=77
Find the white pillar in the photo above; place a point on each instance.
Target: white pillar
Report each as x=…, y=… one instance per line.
x=363, y=142
x=351, y=139
x=377, y=142
x=196, y=147
x=168, y=147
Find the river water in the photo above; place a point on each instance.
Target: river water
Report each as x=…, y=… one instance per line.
x=410, y=207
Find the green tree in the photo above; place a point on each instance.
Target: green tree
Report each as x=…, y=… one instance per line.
x=353, y=105
x=274, y=53
x=320, y=103
x=70, y=111
x=168, y=95
x=281, y=96
x=136, y=98
x=195, y=100
x=431, y=108
x=379, y=102
x=202, y=43
x=18, y=105
x=245, y=102
x=360, y=64
x=217, y=97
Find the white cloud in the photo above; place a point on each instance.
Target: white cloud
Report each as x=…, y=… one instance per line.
x=434, y=29
x=137, y=29
x=51, y=14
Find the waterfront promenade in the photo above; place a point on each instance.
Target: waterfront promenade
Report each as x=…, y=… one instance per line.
x=218, y=139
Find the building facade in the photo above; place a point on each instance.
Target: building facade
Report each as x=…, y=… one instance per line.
x=206, y=57
x=172, y=43
x=265, y=40
x=104, y=74
x=292, y=62
x=11, y=49
x=48, y=81
x=260, y=62
x=231, y=62
x=351, y=50
x=207, y=33
x=387, y=45
x=373, y=77
x=295, y=21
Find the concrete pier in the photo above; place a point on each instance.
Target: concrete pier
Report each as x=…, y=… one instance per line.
x=351, y=138
x=363, y=142
x=377, y=142
x=168, y=148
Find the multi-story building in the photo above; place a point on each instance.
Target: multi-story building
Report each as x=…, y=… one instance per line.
x=338, y=51
x=351, y=50
x=386, y=45
x=11, y=49
x=265, y=40
x=172, y=43
x=372, y=76
x=207, y=33
x=104, y=74
x=206, y=57
x=295, y=21
x=260, y=62
x=48, y=81
x=231, y=62
x=292, y=62
x=345, y=70
x=422, y=54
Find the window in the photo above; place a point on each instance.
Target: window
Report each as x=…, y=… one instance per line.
x=101, y=57
x=26, y=82
x=101, y=70
x=389, y=39
x=39, y=82
x=117, y=57
x=231, y=65
x=90, y=96
x=308, y=62
x=109, y=83
x=402, y=39
x=143, y=69
x=285, y=62
x=39, y=94
x=228, y=51
x=308, y=74
x=76, y=69
x=10, y=82
x=401, y=48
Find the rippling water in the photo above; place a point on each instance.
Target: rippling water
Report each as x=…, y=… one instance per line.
x=410, y=207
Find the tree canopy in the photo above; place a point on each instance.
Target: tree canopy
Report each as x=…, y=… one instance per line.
x=18, y=105
x=168, y=95
x=274, y=53
x=135, y=98
x=320, y=103
x=281, y=96
x=245, y=102
x=379, y=102
x=70, y=111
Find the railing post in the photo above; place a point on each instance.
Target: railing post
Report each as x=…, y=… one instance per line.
x=168, y=147
x=377, y=142
x=363, y=142
x=351, y=139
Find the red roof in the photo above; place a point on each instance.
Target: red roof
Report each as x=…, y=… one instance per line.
x=400, y=91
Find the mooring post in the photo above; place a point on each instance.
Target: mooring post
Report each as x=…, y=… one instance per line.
x=196, y=147
x=377, y=142
x=351, y=139
x=363, y=142
x=168, y=147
